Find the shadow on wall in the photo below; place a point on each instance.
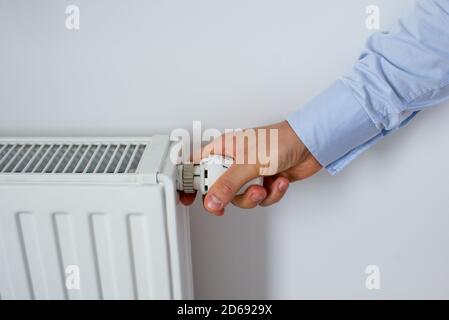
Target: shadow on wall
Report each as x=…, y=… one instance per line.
x=229, y=254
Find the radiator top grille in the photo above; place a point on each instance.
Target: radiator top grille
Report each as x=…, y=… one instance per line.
x=71, y=158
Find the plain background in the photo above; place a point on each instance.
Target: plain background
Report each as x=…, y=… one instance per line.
x=147, y=67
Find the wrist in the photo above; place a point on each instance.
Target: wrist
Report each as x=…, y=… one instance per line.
x=292, y=150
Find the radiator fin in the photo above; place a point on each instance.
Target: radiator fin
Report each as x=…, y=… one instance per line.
x=103, y=248
x=32, y=255
x=123, y=158
x=66, y=249
x=139, y=256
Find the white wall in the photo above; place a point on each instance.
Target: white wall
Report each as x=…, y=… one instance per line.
x=144, y=67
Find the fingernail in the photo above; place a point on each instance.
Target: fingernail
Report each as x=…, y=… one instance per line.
x=282, y=186
x=220, y=213
x=214, y=203
x=257, y=197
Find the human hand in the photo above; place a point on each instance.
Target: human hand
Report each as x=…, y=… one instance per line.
x=283, y=160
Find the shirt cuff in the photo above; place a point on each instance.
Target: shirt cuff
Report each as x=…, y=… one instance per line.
x=332, y=125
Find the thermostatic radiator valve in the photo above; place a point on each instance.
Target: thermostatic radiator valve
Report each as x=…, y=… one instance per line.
x=200, y=177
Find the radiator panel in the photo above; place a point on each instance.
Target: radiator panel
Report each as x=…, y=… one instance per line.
x=117, y=241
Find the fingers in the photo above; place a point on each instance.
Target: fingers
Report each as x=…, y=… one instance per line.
x=276, y=190
x=225, y=188
x=251, y=198
x=187, y=198
x=218, y=213
x=273, y=191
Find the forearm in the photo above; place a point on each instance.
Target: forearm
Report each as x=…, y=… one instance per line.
x=397, y=75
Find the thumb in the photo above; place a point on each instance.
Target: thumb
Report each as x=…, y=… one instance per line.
x=227, y=185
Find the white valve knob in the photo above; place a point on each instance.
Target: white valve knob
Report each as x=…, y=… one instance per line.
x=201, y=177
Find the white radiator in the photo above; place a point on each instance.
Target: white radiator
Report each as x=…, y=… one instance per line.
x=92, y=219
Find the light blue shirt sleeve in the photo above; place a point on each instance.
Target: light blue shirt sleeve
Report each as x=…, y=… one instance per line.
x=397, y=75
